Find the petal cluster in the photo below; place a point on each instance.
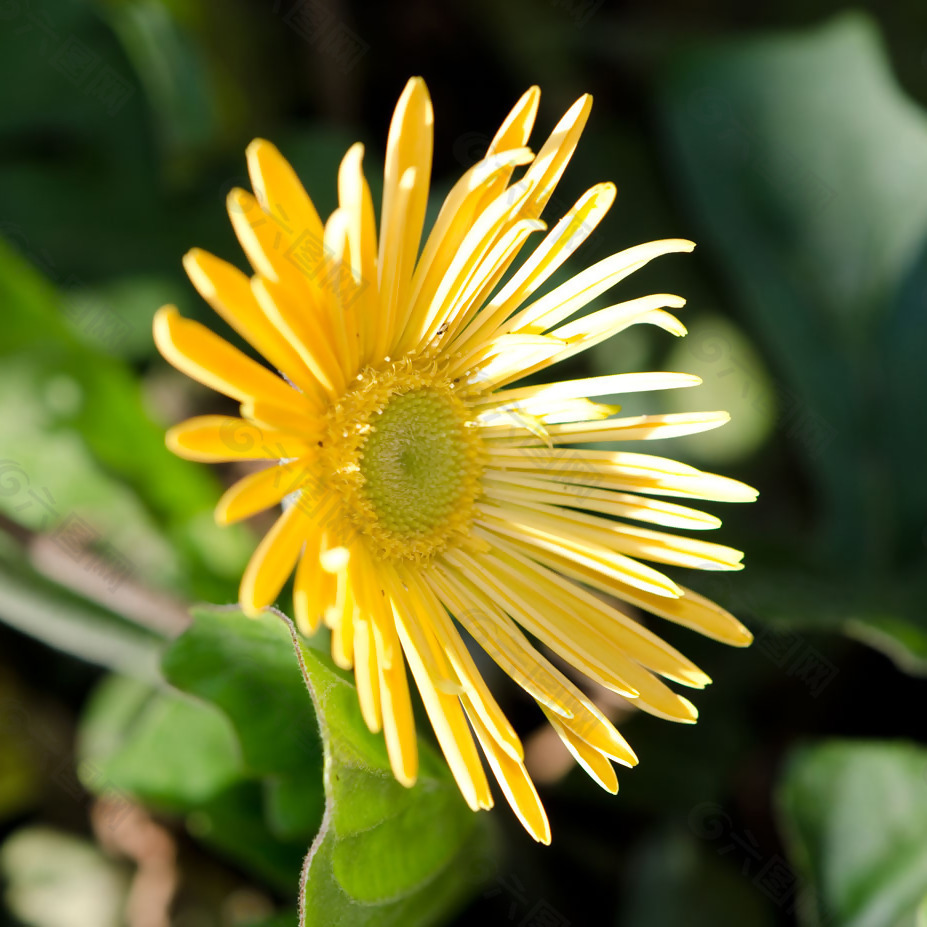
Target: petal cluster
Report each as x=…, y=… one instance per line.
x=384, y=343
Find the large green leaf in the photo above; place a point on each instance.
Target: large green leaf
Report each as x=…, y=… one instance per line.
x=802, y=162
x=854, y=815
x=385, y=854
x=247, y=668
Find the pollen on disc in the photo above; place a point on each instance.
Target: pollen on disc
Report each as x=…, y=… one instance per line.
x=413, y=462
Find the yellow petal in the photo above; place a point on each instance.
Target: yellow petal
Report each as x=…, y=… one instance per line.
x=366, y=674
x=408, y=147
x=638, y=427
x=261, y=490
x=620, y=470
x=272, y=247
x=572, y=542
x=355, y=201
x=313, y=588
x=283, y=418
x=485, y=230
x=444, y=711
x=431, y=613
x=516, y=127
x=525, y=396
x=194, y=350
x=566, y=236
x=229, y=293
x=483, y=278
x=390, y=322
x=305, y=329
x=620, y=630
x=593, y=653
x=555, y=153
x=280, y=192
x=608, y=502
x=478, y=187
x=398, y=722
x=340, y=618
x=220, y=438
x=569, y=297
x=273, y=560
x=593, y=761
x=514, y=780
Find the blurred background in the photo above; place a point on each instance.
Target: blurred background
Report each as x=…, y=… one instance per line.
x=789, y=140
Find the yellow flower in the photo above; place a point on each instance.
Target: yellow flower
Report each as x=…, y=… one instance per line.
x=423, y=493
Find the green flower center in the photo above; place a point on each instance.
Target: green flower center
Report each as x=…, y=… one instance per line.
x=415, y=462
x=403, y=452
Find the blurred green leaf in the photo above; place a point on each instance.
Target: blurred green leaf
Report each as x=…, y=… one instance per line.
x=287, y=919
x=785, y=597
x=173, y=72
x=246, y=669
x=165, y=749
x=673, y=879
x=385, y=854
x=733, y=380
x=234, y=824
x=114, y=317
x=292, y=808
x=854, y=815
x=82, y=435
x=802, y=162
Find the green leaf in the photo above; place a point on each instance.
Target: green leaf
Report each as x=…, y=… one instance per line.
x=802, y=162
x=79, y=432
x=854, y=815
x=233, y=823
x=734, y=380
x=246, y=668
x=385, y=854
x=165, y=749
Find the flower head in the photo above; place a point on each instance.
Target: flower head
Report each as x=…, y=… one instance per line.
x=424, y=495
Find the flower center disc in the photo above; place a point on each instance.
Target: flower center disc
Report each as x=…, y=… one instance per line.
x=406, y=461
x=415, y=461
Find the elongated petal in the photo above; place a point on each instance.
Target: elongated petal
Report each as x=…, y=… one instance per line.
x=229, y=293
x=221, y=438
x=516, y=784
x=274, y=560
x=571, y=296
x=261, y=490
x=196, y=351
x=280, y=192
x=408, y=148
